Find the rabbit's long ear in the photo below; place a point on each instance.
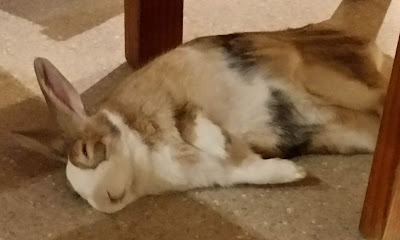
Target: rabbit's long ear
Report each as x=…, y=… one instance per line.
x=63, y=100
x=48, y=144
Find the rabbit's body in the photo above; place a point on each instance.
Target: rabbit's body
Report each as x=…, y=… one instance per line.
x=207, y=113
x=281, y=97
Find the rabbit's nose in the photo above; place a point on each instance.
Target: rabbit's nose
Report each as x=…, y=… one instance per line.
x=115, y=198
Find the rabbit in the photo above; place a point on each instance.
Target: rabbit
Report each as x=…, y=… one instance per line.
x=219, y=111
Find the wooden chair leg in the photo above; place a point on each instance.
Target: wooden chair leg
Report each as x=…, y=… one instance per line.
x=151, y=28
x=380, y=218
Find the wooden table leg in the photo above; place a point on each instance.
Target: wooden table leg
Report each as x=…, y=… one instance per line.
x=151, y=28
x=392, y=229
x=381, y=213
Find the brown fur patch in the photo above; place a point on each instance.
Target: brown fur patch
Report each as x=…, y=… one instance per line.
x=185, y=121
x=148, y=129
x=238, y=150
x=266, y=153
x=137, y=120
x=283, y=51
x=90, y=148
x=185, y=153
x=342, y=54
x=352, y=57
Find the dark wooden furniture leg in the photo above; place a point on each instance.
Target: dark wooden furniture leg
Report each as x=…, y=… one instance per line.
x=381, y=213
x=151, y=28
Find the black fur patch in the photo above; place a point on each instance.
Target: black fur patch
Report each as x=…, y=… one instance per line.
x=295, y=136
x=238, y=52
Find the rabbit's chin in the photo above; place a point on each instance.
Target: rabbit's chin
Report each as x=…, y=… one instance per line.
x=112, y=207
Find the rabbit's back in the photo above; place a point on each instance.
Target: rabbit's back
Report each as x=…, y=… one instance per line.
x=294, y=92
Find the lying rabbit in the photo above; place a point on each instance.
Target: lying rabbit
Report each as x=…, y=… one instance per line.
x=220, y=110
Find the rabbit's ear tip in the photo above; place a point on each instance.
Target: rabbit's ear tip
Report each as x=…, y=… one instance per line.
x=39, y=66
x=38, y=61
x=42, y=62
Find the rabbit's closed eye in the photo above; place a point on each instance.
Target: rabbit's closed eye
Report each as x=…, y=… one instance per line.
x=88, y=154
x=84, y=150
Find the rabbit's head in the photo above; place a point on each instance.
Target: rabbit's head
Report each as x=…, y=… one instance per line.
x=100, y=160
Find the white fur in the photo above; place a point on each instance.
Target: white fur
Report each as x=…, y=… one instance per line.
x=138, y=172
x=209, y=137
x=93, y=184
x=169, y=174
x=268, y=171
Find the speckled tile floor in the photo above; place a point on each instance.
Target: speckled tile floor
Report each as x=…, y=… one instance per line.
x=85, y=39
